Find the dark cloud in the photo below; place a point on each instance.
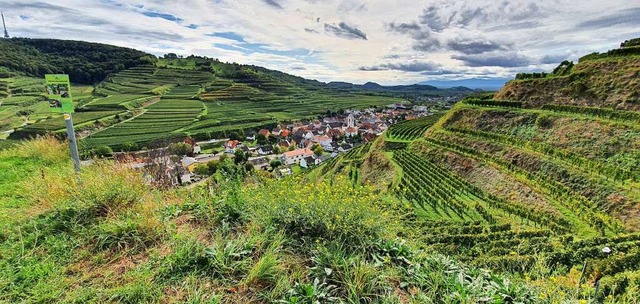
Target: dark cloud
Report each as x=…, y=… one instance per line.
x=308, y=30
x=553, y=59
x=423, y=40
x=345, y=31
x=520, y=11
x=416, y=66
x=404, y=28
x=426, y=44
x=506, y=60
x=274, y=3
x=627, y=17
x=431, y=18
x=475, y=46
x=467, y=16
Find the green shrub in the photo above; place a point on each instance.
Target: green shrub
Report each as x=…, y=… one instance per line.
x=328, y=211
x=544, y=121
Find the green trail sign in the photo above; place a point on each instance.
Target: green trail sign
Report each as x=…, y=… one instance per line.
x=59, y=93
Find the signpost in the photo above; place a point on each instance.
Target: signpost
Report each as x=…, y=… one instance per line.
x=60, y=101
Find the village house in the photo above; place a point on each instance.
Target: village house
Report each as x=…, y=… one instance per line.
x=351, y=131
x=260, y=163
x=264, y=132
x=230, y=146
x=294, y=157
x=322, y=140
x=308, y=135
x=309, y=161
x=189, y=163
x=265, y=150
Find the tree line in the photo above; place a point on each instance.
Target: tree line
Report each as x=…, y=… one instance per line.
x=85, y=62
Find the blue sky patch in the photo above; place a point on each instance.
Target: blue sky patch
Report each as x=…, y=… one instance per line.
x=163, y=16
x=228, y=35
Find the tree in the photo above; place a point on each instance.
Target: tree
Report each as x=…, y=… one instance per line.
x=223, y=157
x=235, y=136
x=180, y=149
x=261, y=139
x=292, y=147
x=318, y=151
x=212, y=166
x=275, y=163
x=202, y=170
x=248, y=167
x=129, y=146
x=238, y=156
x=276, y=150
x=102, y=151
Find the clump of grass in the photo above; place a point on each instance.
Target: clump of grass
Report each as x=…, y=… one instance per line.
x=252, y=259
x=46, y=149
x=127, y=232
x=330, y=211
x=100, y=189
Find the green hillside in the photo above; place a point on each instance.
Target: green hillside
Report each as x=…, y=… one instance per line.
x=136, y=98
x=534, y=180
x=89, y=239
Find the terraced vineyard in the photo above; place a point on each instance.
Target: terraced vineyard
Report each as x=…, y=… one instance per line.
x=171, y=100
x=411, y=129
x=525, y=187
x=506, y=193
x=160, y=121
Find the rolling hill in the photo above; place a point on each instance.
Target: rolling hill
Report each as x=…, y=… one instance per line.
x=124, y=96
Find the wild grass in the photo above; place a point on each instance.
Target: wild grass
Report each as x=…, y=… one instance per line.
x=116, y=239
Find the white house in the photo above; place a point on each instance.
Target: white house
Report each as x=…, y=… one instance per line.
x=323, y=140
x=295, y=156
x=310, y=161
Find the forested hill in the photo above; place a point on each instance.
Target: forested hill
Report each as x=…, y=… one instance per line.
x=85, y=62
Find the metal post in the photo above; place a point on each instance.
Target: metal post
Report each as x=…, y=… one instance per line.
x=73, y=145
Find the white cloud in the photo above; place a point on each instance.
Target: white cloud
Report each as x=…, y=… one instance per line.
x=530, y=29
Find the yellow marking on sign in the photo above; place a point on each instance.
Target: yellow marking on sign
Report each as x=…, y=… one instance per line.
x=67, y=116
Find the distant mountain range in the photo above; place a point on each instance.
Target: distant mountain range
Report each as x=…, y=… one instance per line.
x=487, y=84
x=414, y=88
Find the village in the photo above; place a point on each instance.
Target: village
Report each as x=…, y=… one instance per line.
x=283, y=150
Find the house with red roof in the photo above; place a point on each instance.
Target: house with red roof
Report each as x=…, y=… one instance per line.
x=295, y=156
x=264, y=132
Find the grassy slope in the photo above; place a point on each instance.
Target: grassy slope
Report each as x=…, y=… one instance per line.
x=607, y=82
x=79, y=239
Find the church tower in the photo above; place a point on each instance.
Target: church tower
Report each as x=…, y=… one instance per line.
x=351, y=121
x=6, y=34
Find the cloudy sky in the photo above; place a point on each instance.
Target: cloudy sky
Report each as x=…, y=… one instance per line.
x=386, y=41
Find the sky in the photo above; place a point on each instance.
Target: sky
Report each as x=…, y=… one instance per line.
x=384, y=41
